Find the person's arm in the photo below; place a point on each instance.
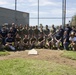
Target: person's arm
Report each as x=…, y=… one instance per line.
x=43, y=40
x=64, y=40
x=9, y=43
x=70, y=39
x=56, y=39
x=60, y=39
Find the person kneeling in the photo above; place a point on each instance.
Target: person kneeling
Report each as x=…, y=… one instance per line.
x=9, y=42
x=33, y=42
x=41, y=41
x=72, y=40
x=26, y=42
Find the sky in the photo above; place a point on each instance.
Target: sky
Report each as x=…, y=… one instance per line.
x=50, y=11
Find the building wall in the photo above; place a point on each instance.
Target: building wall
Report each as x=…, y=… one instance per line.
x=10, y=16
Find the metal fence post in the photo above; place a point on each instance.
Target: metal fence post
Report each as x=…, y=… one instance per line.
x=63, y=13
x=15, y=11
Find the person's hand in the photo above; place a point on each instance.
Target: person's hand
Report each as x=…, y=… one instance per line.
x=63, y=42
x=58, y=41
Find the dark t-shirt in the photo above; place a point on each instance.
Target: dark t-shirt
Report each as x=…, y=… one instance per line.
x=57, y=36
x=4, y=33
x=10, y=40
x=66, y=37
x=61, y=31
x=15, y=30
x=68, y=29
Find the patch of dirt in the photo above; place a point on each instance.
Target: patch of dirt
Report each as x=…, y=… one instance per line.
x=43, y=54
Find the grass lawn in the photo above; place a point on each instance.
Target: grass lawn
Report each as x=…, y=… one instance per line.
x=70, y=54
x=4, y=53
x=34, y=67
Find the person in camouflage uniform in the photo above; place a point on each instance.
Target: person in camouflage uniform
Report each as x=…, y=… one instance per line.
x=25, y=31
x=33, y=41
x=31, y=32
x=1, y=45
x=26, y=42
x=20, y=30
x=18, y=42
x=41, y=41
x=36, y=32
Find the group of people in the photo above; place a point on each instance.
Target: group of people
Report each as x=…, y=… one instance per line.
x=19, y=37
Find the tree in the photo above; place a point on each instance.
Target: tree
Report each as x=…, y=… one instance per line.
x=73, y=21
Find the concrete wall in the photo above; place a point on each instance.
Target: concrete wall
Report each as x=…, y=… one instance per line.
x=10, y=16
